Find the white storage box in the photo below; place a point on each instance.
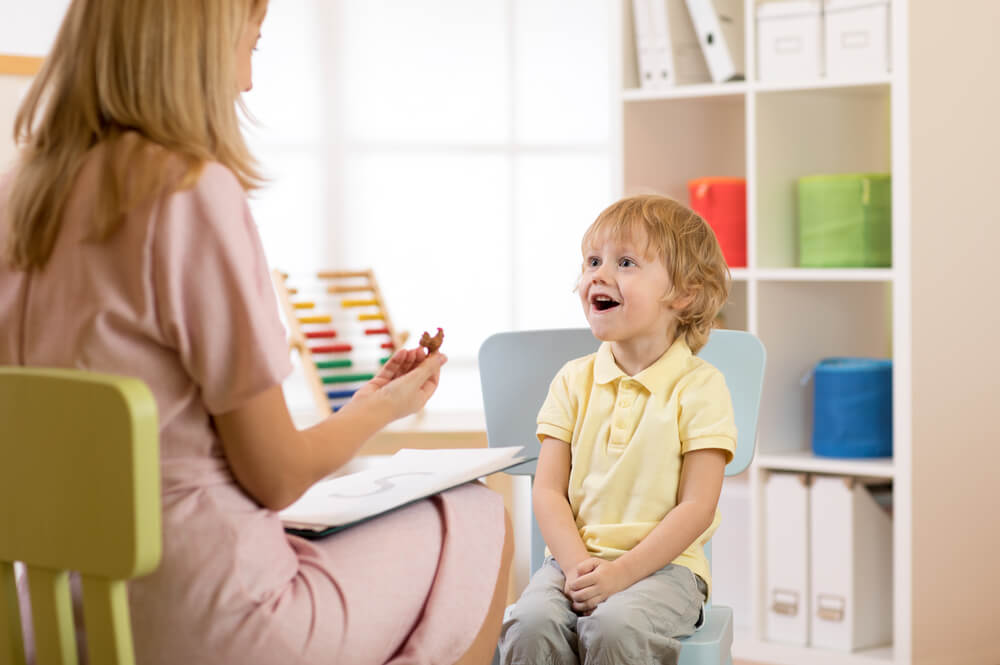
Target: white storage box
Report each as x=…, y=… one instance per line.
x=851, y=567
x=789, y=40
x=857, y=38
x=786, y=553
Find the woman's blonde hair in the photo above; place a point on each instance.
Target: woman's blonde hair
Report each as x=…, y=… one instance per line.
x=154, y=82
x=688, y=248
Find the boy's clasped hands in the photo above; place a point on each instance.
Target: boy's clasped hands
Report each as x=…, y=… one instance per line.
x=592, y=581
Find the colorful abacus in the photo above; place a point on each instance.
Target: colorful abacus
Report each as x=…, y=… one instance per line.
x=338, y=323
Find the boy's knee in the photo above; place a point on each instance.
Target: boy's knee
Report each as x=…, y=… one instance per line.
x=623, y=637
x=530, y=634
x=533, y=614
x=607, y=633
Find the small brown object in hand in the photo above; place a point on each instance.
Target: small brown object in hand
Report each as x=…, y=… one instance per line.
x=432, y=344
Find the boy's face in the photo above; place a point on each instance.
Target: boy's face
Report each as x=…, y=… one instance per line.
x=622, y=290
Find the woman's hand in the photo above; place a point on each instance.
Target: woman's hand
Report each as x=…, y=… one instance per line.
x=593, y=582
x=404, y=384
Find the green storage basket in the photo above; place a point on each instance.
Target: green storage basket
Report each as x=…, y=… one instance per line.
x=845, y=220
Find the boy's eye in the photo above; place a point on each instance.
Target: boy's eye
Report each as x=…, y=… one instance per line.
x=626, y=263
x=593, y=262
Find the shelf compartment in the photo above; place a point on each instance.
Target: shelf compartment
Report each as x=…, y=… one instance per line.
x=801, y=323
x=808, y=132
x=669, y=142
x=735, y=313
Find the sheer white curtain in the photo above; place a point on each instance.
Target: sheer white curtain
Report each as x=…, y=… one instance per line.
x=458, y=147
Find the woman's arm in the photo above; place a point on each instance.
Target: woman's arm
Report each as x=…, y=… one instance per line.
x=551, y=504
x=276, y=463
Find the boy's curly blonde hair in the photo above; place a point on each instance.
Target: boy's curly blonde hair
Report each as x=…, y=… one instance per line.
x=688, y=248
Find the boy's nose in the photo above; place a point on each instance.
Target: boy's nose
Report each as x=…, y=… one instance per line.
x=601, y=274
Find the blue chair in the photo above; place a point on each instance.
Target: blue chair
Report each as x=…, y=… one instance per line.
x=516, y=369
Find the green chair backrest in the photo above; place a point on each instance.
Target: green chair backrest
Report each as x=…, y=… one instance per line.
x=80, y=491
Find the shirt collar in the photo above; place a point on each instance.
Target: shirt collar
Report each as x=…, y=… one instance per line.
x=606, y=370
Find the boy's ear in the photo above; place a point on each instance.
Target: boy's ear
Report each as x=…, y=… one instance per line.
x=682, y=301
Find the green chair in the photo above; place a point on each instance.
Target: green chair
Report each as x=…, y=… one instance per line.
x=80, y=490
x=516, y=368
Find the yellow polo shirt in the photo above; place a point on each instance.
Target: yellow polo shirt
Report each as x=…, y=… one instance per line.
x=628, y=435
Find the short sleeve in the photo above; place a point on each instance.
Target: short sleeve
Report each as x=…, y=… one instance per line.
x=557, y=417
x=215, y=302
x=706, y=413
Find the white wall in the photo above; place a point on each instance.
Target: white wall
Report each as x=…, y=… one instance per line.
x=955, y=149
x=27, y=27
x=12, y=89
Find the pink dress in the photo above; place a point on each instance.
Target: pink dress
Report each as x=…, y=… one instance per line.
x=180, y=297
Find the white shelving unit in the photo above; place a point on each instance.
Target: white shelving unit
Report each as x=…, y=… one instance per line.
x=771, y=134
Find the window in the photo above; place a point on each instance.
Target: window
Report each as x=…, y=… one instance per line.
x=458, y=147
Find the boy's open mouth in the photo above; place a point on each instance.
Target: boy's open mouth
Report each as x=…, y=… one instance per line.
x=603, y=302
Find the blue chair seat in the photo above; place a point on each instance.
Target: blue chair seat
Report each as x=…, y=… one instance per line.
x=713, y=642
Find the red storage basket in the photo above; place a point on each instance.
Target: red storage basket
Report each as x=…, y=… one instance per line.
x=722, y=202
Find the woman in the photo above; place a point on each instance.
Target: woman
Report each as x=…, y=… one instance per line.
x=129, y=248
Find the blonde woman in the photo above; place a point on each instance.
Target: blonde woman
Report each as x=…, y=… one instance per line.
x=128, y=247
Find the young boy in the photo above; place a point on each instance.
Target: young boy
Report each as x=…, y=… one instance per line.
x=635, y=439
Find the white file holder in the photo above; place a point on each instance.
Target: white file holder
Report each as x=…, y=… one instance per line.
x=719, y=27
x=689, y=62
x=857, y=38
x=787, y=546
x=646, y=46
x=667, y=49
x=851, y=567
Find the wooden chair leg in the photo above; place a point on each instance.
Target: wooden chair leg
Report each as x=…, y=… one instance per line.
x=11, y=642
x=52, y=614
x=106, y=615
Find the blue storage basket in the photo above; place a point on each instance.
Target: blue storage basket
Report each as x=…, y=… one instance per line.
x=852, y=408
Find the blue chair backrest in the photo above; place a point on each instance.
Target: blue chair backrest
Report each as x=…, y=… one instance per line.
x=516, y=368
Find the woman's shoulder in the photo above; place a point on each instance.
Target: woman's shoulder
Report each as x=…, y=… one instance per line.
x=214, y=177
x=172, y=171
x=208, y=191
x=209, y=181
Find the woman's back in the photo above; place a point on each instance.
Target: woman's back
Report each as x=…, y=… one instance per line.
x=179, y=296
x=154, y=301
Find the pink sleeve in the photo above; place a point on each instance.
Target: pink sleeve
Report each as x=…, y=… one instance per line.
x=216, y=305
